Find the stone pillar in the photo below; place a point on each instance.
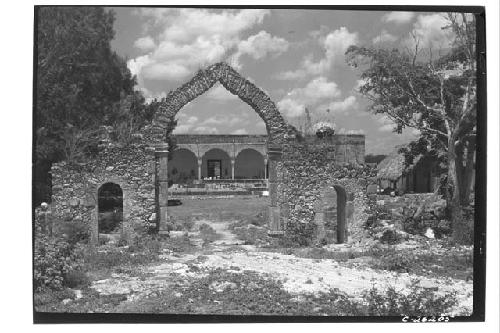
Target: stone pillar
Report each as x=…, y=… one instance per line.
x=200, y=161
x=161, y=158
x=232, y=168
x=265, y=168
x=274, y=156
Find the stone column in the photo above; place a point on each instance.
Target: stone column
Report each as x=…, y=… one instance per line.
x=200, y=161
x=274, y=156
x=232, y=168
x=161, y=158
x=265, y=168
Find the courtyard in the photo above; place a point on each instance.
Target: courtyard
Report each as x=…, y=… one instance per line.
x=219, y=260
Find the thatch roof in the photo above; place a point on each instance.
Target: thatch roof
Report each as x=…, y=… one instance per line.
x=393, y=166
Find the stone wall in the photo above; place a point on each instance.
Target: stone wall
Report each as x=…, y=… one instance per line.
x=75, y=187
x=414, y=213
x=306, y=170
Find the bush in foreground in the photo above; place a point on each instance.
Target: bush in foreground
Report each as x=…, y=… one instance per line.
x=54, y=262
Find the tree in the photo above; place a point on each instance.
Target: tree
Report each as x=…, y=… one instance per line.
x=79, y=84
x=435, y=96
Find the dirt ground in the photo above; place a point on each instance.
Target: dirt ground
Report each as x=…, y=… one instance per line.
x=299, y=275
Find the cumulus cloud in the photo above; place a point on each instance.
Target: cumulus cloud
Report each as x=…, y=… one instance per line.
x=190, y=38
x=229, y=121
x=206, y=130
x=429, y=31
x=219, y=93
x=211, y=125
x=317, y=91
x=334, y=43
x=398, y=17
x=385, y=124
x=384, y=37
x=260, y=45
x=185, y=123
x=314, y=92
x=342, y=106
x=291, y=108
x=181, y=129
x=240, y=131
x=318, y=88
x=145, y=43
x=350, y=131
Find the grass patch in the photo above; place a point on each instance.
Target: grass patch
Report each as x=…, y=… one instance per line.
x=91, y=302
x=250, y=293
x=217, y=209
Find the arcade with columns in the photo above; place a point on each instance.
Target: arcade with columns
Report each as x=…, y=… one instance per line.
x=199, y=158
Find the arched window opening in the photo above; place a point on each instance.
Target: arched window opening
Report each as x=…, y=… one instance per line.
x=110, y=205
x=183, y=168
x=249, y=165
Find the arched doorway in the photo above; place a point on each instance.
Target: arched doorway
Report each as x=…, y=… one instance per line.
x=183, y=168
x=110, y=208
x=256, y=98
x=331, y=211
x=249, y=164
x=216, y=164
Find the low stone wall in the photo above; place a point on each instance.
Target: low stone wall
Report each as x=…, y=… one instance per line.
x=307, y=172
x=75, y=188
x=414, y=213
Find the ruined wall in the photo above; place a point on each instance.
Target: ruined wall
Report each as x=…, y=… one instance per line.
x=311, y=166
x=75, y=187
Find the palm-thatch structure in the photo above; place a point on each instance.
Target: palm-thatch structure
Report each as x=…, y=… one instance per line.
x=420, y=177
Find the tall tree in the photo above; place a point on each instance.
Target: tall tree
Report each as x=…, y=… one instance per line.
x=436, y=97
x=80, y=82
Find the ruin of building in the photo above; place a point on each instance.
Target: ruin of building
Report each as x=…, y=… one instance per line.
x=303, y=177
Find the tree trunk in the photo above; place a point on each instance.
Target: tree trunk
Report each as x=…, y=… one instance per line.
x=467, y=176
x=461, y=231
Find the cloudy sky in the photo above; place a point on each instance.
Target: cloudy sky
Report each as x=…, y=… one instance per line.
x=296, y=56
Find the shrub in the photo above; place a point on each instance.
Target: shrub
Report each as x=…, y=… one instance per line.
x=52, y=296
x=251, y=234
x=73, y=232
x=399, y=262
x=298, y=234
x=149, y=244
x=76, y=278
x=54, y=259
x=207, y=233
x=419, y=301
x=110, y=221
x=392, y=236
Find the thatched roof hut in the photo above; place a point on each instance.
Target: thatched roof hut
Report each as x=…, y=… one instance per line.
x=393, y=166
x=418, y=177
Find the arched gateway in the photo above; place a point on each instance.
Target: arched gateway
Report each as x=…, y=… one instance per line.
x=248, y=93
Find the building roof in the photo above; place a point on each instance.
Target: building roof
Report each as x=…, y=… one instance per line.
x=393, y=166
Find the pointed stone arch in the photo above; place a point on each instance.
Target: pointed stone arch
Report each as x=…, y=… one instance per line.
x=249, y=93
x=230, y=79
